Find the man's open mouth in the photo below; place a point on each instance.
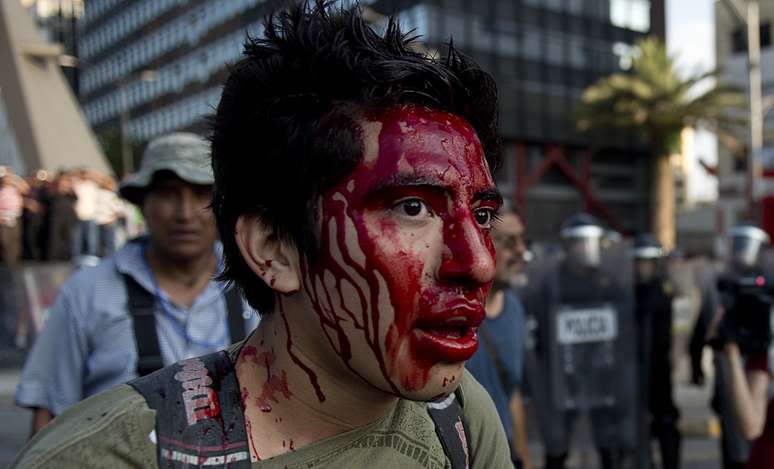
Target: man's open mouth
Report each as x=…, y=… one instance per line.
x=449, y=338
x=453, y=332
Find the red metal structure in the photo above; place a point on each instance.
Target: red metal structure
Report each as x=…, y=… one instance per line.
x=580, y=179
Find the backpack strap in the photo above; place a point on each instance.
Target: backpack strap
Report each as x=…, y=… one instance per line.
x=234, y=313
x=451, y=429
x=489, y=345
x=199, y=416
x=142, y=308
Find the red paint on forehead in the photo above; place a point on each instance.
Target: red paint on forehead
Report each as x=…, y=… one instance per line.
x=418, y=140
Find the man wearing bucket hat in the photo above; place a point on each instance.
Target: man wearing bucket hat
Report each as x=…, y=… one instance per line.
x=152, y=303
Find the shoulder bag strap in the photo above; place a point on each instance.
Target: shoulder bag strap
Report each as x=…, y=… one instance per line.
x=491, y=349
x=234, y=312
x=451, y=430
x=142, y=308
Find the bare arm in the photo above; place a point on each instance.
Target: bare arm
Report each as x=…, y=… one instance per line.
x=748, y=392
x=40, y=418
x=518, y=419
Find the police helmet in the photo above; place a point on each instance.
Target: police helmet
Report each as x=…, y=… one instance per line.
x=582, y=235
x=746, y=244
x=646, y=246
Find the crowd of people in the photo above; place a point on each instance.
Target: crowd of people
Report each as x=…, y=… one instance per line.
x=59, y=217
x=334, y=280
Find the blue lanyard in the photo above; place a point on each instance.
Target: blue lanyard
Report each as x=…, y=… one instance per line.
x=177, y=325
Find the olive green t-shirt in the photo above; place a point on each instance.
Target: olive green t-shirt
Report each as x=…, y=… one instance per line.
x=113, y=430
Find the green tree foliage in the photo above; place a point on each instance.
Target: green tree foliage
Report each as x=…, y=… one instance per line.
x=654, y=103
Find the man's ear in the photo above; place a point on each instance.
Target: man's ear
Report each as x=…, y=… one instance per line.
x=272, y=259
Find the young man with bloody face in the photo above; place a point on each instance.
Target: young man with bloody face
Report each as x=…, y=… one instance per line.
x=367, y=247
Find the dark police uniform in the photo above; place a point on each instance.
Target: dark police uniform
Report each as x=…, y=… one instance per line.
x=653, y=312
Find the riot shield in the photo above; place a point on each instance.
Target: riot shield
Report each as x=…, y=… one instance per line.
x=538, y=298
x=585, y=346
x=591, y=333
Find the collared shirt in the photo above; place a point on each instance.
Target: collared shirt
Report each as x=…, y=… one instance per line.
x=87, y=344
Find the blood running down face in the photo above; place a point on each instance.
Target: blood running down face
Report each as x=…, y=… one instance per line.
x=406, y=257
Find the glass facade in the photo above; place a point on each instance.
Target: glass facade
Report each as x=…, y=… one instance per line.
x=542, y=53
x=185, y=43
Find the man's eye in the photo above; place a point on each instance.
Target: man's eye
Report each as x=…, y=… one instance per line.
x=413, y=208
x=484, y=217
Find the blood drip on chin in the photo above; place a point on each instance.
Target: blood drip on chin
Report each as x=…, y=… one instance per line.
x=289, y=445
x=447, y=380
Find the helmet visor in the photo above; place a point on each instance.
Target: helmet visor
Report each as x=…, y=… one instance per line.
x=745, y=251
x=584, y=251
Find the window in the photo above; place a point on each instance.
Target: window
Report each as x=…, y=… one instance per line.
x=739, y=38
x=531, y=44
x=765, y=34
x=631, y=14
x=577, y=53
x=554, y=50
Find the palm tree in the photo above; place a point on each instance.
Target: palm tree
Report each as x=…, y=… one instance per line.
x=654, y=103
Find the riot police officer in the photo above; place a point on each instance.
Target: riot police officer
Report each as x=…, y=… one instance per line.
x=653, y=315
x=745, y=293
x=741, y=295
x=581, y=302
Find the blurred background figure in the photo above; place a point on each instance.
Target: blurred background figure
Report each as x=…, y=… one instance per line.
x=108, y=209
x=581, y=302
x=498, y=362
x=653, y=315
x=12, y=192
x=35, y=211
x=85, y=237
x=737, y=303
x=61, y=218
x=153, y=303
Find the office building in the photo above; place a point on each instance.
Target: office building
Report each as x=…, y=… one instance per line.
x=731, y=53
x=543, y=54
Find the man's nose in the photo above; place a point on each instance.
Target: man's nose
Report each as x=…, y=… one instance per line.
x=468, y=256
x=186, y=205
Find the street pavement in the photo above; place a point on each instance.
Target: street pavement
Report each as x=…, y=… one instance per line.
x=14, y=421
x=698, y=426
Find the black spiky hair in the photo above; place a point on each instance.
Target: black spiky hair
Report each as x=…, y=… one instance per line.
x=285, y=130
